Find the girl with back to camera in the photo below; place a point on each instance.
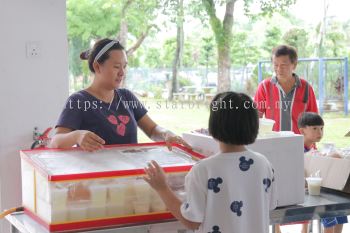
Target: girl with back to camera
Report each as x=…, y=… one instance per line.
x=225, y=192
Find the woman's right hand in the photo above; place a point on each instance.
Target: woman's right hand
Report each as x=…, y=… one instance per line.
x=89, y=141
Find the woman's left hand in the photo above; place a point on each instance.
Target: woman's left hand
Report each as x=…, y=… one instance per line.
x=173, y=138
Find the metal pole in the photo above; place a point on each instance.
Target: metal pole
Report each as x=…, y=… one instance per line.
x=320, y=84
x=259, y=72
x=346, y=86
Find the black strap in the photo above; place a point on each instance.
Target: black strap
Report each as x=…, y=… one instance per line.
x=306, y=95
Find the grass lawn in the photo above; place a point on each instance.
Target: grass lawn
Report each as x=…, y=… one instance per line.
x=181, y=117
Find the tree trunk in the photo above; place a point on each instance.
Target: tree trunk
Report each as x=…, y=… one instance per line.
x=224, y=67
x=223, y=37
x=123, y=30
x=123, y=33
x=179, y=48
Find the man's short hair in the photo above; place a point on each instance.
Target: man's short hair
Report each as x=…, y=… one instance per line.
x=286, y=50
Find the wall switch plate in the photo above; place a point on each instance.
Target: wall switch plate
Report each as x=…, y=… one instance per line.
x=33, y=49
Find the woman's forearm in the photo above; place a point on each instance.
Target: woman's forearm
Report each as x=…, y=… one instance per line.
x=64, y=140
x=160, y=134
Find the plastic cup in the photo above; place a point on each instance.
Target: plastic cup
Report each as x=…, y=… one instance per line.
x=59, y=198
x=78, y=210
x=158, y=206
x=59, y=215
x=117, y=193
x=98, y=194
x=96, y=212
x=142, y=191
x=115, y=210
x=314, y=185
x=265, y=126
x=141, y=207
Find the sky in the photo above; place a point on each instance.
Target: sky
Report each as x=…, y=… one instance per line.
x=311, y=11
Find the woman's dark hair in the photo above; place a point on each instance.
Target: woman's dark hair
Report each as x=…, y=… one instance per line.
x=283, y=50
x=92, y=53
x=309, y=119
x=233, y=119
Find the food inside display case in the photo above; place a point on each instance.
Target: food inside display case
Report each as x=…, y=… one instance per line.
x=73, y=189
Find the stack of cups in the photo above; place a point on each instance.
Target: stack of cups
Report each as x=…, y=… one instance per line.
x=142, y=202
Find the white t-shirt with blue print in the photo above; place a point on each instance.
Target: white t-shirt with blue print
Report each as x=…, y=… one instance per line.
x=230, y=192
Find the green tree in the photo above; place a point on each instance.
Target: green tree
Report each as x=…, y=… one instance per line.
x=127, y=20
x=243, y=51
x=298, y=38
x=153, y=58
x=335, y=40
x=272, y=39
x=206, y=55
x=223, y=30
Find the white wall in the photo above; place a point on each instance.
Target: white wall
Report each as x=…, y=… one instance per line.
x=32, y=91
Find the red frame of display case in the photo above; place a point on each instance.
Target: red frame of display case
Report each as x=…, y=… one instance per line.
x=113, y=221
x=106, y=174
x=103, y=223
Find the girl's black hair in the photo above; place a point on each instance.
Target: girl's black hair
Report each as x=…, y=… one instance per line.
x=233, y=118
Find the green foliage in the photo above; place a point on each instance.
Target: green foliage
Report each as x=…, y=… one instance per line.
x=267, y=7
x=152, y=59
x=207, y=52
x=156, y=90
x=243, y=51
x=190, y=55
x=92, y=19
x=299, y=38
x=272, y=38
x=184, y=81
x=335, y=40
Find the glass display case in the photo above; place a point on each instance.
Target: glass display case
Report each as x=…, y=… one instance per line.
x=72, y=189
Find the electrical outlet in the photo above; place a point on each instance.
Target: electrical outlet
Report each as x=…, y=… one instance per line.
x=33, y=49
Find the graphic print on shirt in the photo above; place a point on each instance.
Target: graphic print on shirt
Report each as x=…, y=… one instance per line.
x=112, y=119
x=213, y=184
x=216, y=229
x=267, y=183
x=121, y=127
x=244, y=164
x=273, y=175
x=236, y=207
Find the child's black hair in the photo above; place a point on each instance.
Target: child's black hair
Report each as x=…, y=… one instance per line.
x=233, y=119
x=309, y=119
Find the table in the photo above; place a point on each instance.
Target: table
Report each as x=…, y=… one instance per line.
x=330, y=203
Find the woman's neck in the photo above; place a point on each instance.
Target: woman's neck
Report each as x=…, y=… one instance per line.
x=226, y=148
x=100, y=92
